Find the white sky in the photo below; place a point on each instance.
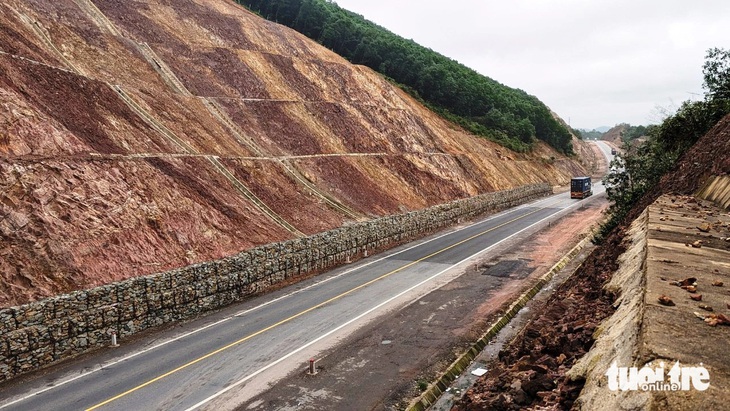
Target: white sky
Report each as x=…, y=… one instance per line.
x=594, y=62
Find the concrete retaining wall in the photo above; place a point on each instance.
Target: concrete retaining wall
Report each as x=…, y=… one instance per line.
x=37, y=334
x=717, y=189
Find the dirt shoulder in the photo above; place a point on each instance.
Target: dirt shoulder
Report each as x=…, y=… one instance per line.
x=601, y=168
x=390, y=361
x=678, y=241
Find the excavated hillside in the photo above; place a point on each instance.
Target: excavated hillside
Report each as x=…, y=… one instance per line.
x=140, y=136
x=614, y=134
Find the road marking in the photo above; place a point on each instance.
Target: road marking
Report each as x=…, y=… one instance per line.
x=301, y=313
x=388, y=301
x=241, y=313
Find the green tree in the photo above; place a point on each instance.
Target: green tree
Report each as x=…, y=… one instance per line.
x=451, y=89
x=635, y=173
x=716, y=73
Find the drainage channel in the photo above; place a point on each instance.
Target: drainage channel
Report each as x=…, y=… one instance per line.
x=466, y=370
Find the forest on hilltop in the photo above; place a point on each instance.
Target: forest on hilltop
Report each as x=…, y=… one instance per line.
x=481, y=105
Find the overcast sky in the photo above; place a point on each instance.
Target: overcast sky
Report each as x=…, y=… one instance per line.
x=595, y=63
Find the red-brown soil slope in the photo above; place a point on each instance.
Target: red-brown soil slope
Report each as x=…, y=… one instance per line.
x=614, y=134
x=139, y=136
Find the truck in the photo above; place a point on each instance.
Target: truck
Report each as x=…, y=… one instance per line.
x=580, y=187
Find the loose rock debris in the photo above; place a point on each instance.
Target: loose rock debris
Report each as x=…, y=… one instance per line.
x=705, y=228
x=706, y=307
x=696, y=297
x=686, y=282
x=714, y=319
x=497, y=392
x=664, y=300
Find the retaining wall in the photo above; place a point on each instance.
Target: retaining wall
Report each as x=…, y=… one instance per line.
x=717, y=189
x=37, y=334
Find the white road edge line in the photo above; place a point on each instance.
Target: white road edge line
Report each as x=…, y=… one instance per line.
x=180, y=337
x=327, y=334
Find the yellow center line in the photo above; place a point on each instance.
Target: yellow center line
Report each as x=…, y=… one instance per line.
x=286, y=320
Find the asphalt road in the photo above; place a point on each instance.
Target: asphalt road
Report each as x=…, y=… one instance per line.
x=190, y=370
x=606, y=149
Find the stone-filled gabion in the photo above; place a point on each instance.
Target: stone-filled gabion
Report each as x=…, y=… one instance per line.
x=37, y=334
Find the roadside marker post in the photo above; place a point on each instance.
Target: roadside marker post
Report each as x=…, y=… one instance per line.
x=312, y=367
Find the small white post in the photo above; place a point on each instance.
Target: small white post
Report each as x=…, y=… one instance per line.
x=114, y=339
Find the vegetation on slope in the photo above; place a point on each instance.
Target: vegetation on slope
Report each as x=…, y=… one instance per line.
x=638, y=171
x=632, y=133
x=483, y=106
x=589, y=135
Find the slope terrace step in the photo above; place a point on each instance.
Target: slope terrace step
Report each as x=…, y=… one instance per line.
x=42, y=34
x=168, y=76
x=151, y=121
x=97, y=16
x=253, y=198
x=159, y=127
x=219, y=113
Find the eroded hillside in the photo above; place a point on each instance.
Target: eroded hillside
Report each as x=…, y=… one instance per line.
x=139, y=136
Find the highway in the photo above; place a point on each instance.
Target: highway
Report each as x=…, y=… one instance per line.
x=606, y=149
x=272, y=335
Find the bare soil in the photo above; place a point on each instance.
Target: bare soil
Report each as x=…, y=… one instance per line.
x=98, y=187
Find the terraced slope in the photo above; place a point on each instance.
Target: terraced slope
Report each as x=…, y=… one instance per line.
x=139, y=136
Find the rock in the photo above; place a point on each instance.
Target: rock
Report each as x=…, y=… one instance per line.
x=18, y=220
x=718, y=283
x=696, y=297
x=664, y=300
x=706, y=307
x=697, y=244
x=717, y=319
x=520, y=397
x=705, y=228
x=549, y=361
x=687, y=281
x=541, y=382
